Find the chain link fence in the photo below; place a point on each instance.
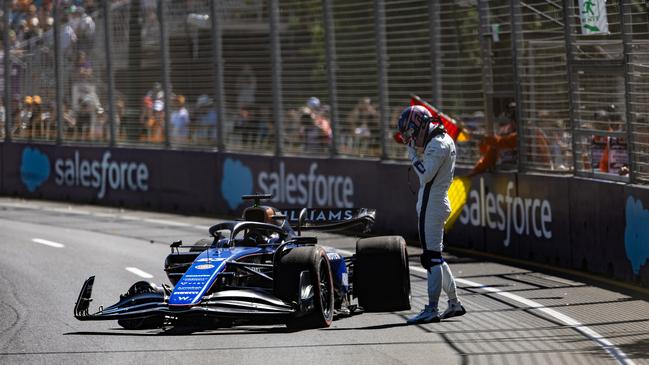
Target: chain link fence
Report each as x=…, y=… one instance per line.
x=636, y=36
x=329, y=77
x=545, y=97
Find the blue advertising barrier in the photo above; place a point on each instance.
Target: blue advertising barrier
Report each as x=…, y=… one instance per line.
x=595, y=226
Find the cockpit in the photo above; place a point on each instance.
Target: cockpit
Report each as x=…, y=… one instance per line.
x=248, y=234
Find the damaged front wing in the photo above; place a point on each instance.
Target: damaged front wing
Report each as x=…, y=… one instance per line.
x=235, y=303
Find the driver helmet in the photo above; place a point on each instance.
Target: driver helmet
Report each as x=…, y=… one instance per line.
x=271, y=216
x=414, y=120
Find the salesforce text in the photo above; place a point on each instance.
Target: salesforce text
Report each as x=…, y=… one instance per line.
x=307, y=189
x=102, y=174
x=520, y=213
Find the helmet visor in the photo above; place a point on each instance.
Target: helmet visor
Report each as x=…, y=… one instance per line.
x=408, y=135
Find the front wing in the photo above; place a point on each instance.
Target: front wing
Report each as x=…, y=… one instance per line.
x=235, y=303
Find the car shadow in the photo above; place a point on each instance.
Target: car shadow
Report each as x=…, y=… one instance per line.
x=183, y=331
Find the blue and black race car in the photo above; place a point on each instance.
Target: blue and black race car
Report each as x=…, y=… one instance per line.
x=262, y=269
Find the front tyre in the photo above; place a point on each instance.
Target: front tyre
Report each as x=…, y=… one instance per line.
x=303, y=276
x=140, y=292
x=141, y=323
x=382, y=274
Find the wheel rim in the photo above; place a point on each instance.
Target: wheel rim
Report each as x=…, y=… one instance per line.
x=325, y=290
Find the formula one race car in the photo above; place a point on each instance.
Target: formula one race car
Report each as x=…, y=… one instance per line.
x=261, y=269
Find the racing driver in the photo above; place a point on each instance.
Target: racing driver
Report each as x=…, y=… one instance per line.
x=418, y=128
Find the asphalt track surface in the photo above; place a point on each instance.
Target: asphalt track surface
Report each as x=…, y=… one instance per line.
x=516, y=316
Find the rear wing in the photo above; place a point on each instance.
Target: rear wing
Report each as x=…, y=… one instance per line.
x=348, y=220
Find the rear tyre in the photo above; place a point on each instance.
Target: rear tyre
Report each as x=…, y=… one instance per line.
x=381, y=274
x=319, y=293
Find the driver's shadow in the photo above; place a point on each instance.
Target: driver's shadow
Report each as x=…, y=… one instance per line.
x=381, y=326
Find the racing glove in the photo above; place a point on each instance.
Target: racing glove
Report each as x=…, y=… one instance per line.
x=412, y=152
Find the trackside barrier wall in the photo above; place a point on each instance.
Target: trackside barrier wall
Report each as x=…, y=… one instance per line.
x=596, y=226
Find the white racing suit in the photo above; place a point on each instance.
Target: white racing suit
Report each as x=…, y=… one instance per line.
x=435, y=173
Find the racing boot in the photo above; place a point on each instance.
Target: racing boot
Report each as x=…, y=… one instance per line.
x=428, y=315
x=455, y=309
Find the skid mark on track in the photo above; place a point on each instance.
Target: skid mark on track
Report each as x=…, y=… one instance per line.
x=15, y=315
x=18, y=308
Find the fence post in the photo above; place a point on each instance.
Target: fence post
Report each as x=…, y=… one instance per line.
x=382, y=60
x=166, y=82
x=276, y=66
x=7, y=69
x=516, y=31
x=133, y=88
x=433, y=35
x=108, y=42
x=58, y=72
x=330, y=59
x=568, y=23
x=626, y=40
x=217, y=61
x=487, y=65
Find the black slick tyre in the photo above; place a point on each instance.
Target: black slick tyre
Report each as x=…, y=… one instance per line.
x=141, y=323
x=137, y=289
x=288, y=269
x=382, y=274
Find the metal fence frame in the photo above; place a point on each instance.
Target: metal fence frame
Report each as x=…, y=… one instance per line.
x=484, y=32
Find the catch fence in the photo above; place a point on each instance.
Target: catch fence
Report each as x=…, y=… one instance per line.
x=329, y=77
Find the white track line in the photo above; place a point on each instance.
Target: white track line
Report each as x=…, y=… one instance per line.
x=165, y=222
x=71, y=210
x=138, y=272
x=48, y=243
x=605, y=344
x=611, y=349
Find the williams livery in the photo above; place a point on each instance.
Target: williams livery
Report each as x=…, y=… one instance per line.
x=262, y=269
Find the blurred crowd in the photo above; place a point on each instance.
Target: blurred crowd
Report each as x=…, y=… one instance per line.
x=307, y=123
x=31, y=36
x=548, y=142
x=189, y=124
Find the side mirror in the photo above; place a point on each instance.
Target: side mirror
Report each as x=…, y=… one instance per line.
x=300, y=221
x=175, y=245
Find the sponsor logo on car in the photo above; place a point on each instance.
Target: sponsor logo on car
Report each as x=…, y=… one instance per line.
x=333, y=256
x=183, y=283
x=208, y=259
x=320, y=215
x=204, y=266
